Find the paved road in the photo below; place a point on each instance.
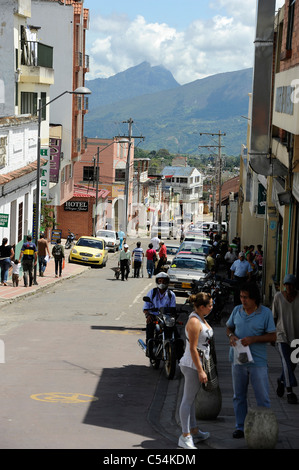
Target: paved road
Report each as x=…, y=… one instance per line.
x=74, y=376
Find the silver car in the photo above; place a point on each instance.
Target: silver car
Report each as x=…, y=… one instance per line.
x=111, y=239
x=183, y=270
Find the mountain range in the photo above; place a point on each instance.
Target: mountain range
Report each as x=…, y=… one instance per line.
x=170, y=115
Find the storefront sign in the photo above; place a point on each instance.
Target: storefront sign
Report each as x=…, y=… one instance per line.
x=45, y=174
x=81, y=206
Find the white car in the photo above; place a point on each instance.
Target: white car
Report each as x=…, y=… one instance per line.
x=111, y=239
x=164, y=230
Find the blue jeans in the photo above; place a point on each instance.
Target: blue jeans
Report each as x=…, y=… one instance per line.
x=150, y=267
x=259, y=380
x=42, y=264
x=5, y=264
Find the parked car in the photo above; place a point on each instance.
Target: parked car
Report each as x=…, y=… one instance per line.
x=193, y=236
x=111, y=239
x=90, y=251
x=164, y=229
x=183, y=270
x=194, y=248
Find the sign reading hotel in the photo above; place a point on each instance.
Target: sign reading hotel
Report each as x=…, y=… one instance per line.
x=45, y=174
x=80, y=206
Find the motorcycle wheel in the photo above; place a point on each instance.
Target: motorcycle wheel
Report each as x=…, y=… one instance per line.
x=67, y=245
x=170, y=363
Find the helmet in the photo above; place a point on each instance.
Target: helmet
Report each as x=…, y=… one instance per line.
x=165, y=278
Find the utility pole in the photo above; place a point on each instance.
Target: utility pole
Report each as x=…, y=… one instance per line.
x=218, y=170
x=127, y=176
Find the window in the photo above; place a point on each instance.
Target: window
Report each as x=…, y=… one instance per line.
x=88, y=173
x=28, y=103
x=120, y=174
x=292, y=4
x=20, y=222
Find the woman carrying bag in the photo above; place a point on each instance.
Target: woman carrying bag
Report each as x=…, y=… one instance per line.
x=198, y=336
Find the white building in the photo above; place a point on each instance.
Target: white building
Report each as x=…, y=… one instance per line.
x=25, y=78
x=182, y=188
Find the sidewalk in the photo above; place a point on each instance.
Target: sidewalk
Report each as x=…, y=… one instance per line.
x=222, y=427
x=9, y=293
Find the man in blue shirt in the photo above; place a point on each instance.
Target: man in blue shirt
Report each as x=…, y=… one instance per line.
x=252, y=324
x=240, y=272
x=159, y=297
x=137, y=258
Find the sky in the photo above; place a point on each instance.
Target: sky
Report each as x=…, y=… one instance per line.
x=191, y=38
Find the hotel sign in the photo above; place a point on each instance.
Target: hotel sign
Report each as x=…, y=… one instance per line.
x=78, y=206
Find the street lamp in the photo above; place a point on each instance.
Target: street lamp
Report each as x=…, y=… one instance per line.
x=78, y=91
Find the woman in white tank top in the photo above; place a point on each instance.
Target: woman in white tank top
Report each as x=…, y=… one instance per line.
x=198, y=335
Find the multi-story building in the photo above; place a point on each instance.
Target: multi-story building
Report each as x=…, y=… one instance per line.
x=66, y=133
x=182, y=190
x=105, y=165
x=26, y=75
x=273, y=157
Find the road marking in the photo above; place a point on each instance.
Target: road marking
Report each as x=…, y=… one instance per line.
x=63, y=397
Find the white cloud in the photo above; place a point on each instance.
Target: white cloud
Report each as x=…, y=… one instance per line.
x=219, y=44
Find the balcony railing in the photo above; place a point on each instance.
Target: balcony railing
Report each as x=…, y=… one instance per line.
x=36, y=54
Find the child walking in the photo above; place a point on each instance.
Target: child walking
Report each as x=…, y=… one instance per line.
x=15, y=272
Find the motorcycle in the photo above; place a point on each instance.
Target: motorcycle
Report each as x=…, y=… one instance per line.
x=70, y=239
x=220, y=290
x=166, y=345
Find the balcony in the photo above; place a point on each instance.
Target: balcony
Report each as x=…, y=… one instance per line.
x=36, y=63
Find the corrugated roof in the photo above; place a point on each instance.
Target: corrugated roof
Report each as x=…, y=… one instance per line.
x=177, y=171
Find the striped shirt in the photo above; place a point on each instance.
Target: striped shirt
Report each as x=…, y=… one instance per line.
x=138, y=254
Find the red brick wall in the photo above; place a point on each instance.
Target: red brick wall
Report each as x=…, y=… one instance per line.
x=294, y=59
x=80, y=223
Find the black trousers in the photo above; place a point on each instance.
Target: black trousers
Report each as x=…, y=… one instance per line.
x=124, y=268
x=137, y=266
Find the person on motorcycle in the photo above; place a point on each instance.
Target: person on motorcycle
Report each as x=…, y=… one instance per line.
x=160, y=297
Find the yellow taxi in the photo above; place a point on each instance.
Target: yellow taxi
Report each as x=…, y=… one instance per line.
x=90, y=251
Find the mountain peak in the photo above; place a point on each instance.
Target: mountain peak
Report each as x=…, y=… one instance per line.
x=142, y=79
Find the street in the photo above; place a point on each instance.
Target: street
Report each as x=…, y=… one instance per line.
x=74, y=376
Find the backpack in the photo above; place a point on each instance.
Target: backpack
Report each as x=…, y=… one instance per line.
x=57, y=251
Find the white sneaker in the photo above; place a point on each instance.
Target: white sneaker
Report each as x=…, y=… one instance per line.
x=200, y=436
x=186, y=442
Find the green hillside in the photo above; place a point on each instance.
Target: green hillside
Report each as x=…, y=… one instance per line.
x=174, y=118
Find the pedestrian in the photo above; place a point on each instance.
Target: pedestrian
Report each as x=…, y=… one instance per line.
x=138, y=255
x=121, y=236
x=285, y=310
x=240, y=272
x=230, y=257
x=137, y=226
x=156, y=243
x=28, y=256
x=6, y=254
x=250, y=326
x=182, y=233
x=198, y=336
x=252, y=261
x=210, y=261
x=42, y=251
x=151, y=257
x=162, y=257
x=124, y=262
x=15, y=272
x=148, y=226
x=259, y=257
x=58, y=254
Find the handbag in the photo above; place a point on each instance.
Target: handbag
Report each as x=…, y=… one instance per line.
x=210, y=369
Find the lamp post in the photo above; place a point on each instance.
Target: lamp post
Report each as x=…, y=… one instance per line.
x=79, y=91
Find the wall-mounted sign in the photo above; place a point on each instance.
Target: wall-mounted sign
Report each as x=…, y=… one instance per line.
x=45, y=174
x=55, y=156
x=81, y=206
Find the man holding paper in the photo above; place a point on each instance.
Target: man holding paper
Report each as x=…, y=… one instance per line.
x=249, y=328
